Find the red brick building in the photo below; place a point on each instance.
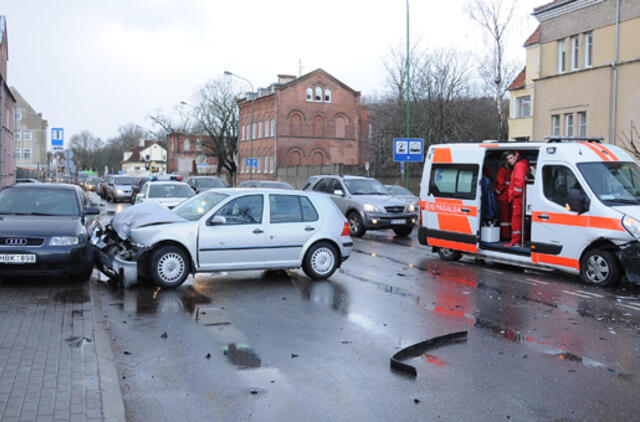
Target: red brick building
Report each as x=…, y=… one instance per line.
x=7, y=114
x=185, y=151
x=306, y=120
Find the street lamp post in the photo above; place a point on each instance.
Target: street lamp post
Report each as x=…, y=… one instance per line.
x=253, y=102
x=408, y=87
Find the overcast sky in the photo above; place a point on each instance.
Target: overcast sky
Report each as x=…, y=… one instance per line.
x=96, y=64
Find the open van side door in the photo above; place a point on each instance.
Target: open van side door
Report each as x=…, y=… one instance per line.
x=453, y=196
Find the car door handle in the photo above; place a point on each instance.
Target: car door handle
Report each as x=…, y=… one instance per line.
x=543, y=217
x=466, y=210
x=309, y=228
x=258, y=231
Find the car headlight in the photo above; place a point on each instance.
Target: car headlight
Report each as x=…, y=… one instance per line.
x=632, y=225
x=119, y=191
x=63, y=241
x=370, y=208
x=411, y=208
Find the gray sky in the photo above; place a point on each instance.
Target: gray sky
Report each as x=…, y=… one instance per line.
x=96, y=64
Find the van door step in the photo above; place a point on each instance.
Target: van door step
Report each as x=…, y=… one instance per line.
x=499, y=246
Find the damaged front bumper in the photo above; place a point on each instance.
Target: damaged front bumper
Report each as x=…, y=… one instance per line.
x=629, y=256
x=115, y=258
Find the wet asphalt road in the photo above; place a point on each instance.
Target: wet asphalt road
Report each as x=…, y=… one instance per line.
x=258, y=346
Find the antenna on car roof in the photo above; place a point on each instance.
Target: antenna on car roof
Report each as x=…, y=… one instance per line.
x=558, y=139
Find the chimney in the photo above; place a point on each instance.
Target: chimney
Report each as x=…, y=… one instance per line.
x=283, y=79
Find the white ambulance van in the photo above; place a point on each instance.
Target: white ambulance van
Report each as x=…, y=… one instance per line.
x=581, y=209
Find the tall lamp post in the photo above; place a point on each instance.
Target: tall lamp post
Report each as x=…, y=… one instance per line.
x=253, y=102
x=408, y=85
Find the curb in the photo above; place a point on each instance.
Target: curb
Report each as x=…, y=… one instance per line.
x=110, y=392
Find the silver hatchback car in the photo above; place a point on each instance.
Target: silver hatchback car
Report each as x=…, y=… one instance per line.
x=225, y=230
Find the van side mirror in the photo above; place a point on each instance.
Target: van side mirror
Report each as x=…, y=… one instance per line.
x=577, y=201
x=338, y=192
x=218, y=220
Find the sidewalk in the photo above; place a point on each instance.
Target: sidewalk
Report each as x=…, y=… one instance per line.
x=50, y=367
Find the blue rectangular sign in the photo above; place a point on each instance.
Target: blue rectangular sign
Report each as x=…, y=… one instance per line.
x=251, y=162
x=408, y=149
x=57, y=137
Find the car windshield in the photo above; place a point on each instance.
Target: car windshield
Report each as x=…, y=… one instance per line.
x=366, y=187
x=95, y=181
x=613, y=182
x=51, y=202
x=124, y=181
x=194, y=208
x=170, y=191
x=399, y=190
x=275, y=185
x=210, y=182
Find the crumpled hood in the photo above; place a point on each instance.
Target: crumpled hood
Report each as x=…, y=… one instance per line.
x=380, y=201
x=140, y=215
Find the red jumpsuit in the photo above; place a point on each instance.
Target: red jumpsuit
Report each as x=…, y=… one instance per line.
x=503, y=179
x=516, y=190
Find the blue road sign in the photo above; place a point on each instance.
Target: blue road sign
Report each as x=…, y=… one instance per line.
x=57, y=137
x=251, y=162
x=408, y=149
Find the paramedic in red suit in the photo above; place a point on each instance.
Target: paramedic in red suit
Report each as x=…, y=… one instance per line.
x=516, y=189
x=503, y=179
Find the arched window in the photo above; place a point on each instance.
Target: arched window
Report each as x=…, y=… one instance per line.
x=327, y=95
x=318, y=157
x=309, y=94
x=187, y=145
x=294, y=158
x=318, y=125
x=341, y=126
x=318, y=93
x=266, y=128
x=295, y=125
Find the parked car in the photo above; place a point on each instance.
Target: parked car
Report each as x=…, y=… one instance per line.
x=168, y=194
x=404, y=194
x=44, y=231
x=166, y=177
x=135, y=188
x=202, y=183
x=102, y=191
x=265, y=184
x=26, y=180
x=367, y=203
x=225, y=230
x=92, y=183
x=119, y=188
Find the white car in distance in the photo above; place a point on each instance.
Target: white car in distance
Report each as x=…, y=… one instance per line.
x=168, y=194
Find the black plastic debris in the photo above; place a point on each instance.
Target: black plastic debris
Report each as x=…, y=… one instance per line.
x=126, y=352
x=164, y=335
x=293, y=355
x=208, y=356
x=416, y=401
x=420, y=348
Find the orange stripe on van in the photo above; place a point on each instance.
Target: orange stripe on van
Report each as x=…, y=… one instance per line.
x=595, y=149
x=442, y=155
x=466, y=247
x=555, y=260
x=606, y=223
x=608, y=152
x=449, y=201
x=454, y=223
x=489, y=145
x=451, y=208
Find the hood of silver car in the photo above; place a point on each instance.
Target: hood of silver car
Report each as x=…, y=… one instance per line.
x=140, y=215
x=380, y=201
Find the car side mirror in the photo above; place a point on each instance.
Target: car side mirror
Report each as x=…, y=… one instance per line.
x=218, y=220
x=338, y=192
x=92, y=211
x=577, y=201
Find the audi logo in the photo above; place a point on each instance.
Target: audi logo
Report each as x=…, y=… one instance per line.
x=15, y=241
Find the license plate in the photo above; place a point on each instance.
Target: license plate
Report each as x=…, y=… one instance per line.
x=401, y=221
x=17, y=259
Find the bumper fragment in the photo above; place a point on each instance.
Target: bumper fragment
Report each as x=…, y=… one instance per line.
x=117, y=259
x=629, y=257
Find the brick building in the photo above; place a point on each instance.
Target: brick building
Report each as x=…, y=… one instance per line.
x=307, y=120
x=30, y=136
x=186, y=151
x=7, y=113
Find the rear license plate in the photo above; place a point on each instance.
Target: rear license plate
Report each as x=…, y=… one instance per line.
x=17, y=259
x=401, y=221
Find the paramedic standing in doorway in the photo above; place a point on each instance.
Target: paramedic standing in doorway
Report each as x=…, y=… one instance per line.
x=503, y=178
x=520, y=168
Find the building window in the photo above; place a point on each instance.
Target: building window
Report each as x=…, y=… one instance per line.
x=17, y=135
x=582, y=124
x=309, y=94
x=266, y=165
x=562, y=55
x=259, y=167
x=266, y=128
x=588, y=49
x=555, y=125
x=522, y=107
x=27, y=154
x=272, y=167
x=18, y=115
x=273, y=127
x=259, y=129
x=575, y=50
x=327, y=95
x=16, y=154
x=253, y=131
x=370, y=131
x=27, y=135
x=187, y=144
x=198, y=144
x=569, y=124
x=318, y=94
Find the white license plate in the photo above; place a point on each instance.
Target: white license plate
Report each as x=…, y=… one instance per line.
x=401, y=221
x=17, y=259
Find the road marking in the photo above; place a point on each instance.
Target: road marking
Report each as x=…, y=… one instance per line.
x=537, y=281
x=495, y=272
x=577, y=294
x=589, y=293
x=528, y=283
x=635, y=308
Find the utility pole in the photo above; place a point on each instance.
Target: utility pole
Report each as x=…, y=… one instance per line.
x=407, y=89
x=251, y=133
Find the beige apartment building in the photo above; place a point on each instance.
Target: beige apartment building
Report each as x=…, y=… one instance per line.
x=30, y=135
x=582, y=74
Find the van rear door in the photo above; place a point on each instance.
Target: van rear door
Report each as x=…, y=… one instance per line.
x=452, y=197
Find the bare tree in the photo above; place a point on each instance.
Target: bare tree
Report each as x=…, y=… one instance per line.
x=630, y=139
x=176, y=122
x=85, y=147
x=494, y=16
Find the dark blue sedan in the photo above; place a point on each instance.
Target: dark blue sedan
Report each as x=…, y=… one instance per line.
x=45, y=230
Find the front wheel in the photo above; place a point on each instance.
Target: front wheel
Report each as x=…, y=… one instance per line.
x=403, y=231
x=599, y=267
x=447, y=254
x=169, y=266
x=356, y=225
x=321, y=261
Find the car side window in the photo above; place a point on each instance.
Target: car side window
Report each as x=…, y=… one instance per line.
x=323, y=185
x=336, y=185
x=243, y=210
x=291, y=209
x=454, y=181
x=556, y=183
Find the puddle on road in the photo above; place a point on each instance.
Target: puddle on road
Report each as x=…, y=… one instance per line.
x=79, y=295
x=152, y=300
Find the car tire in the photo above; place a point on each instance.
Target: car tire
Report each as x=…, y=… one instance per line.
x=403, y=231
x=447, y=254
x=356, y=224
x=84, y=276
x=321, y=261
x=599, y=267
x=169, y=266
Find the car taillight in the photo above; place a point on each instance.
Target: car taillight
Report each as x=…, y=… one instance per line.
x=346, y=230
x=420, y=208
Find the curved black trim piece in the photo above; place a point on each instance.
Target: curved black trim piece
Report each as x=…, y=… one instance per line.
x=546, y=248
x=453, y=236
x=420, y=348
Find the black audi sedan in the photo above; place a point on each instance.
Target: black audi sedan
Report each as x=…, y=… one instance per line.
x=45, y=230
